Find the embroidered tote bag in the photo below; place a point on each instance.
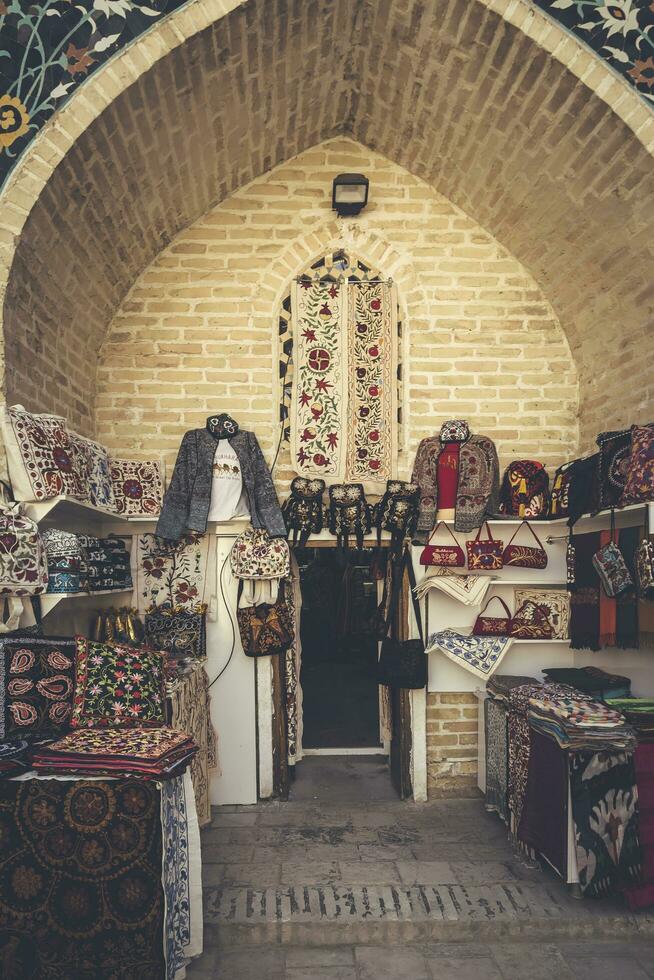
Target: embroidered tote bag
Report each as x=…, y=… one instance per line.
x=403, y=663
x=23, y=564
x=443, y=555
x=639, y=482
x=492, y=625
x=266, y=629
x=531, y=622
x=256, y=555
x=525, y=489
x=611, y=566
x=484, y=554
x=349, y=513
x=524, y=556
x=180, y=632
x=41, y=456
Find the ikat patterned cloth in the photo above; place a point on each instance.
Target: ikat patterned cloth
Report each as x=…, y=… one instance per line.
x=81, y=879
x=481, y=655
x=117, y=685
x=38, y=684
x=604, y=798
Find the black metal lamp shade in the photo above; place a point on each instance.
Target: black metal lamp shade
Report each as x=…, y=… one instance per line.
x=349, y=194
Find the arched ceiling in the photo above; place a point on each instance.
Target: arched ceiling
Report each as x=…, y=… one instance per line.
x=449, y=90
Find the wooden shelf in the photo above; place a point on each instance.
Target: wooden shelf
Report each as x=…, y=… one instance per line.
x=68, y=509
x=50, y=600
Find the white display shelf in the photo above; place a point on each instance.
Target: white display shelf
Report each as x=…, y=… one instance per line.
x=624, y=517
x=50, y=600
x=68, y=509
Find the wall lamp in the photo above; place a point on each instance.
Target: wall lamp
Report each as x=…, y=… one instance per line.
x=349, y=194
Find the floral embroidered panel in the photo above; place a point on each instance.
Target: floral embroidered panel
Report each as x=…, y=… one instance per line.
x=118, y=685
x=344, y=391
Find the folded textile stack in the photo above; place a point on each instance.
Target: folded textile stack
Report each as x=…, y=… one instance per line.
x=108, y=563
x=639, y=712
x=66, y=561
x=578, y=723
x=591, y=680
x=14, y=757
x=499, y=685
x=149, y=753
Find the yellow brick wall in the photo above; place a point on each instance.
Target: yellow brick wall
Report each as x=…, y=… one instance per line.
x=197, y=333
x=451, y=744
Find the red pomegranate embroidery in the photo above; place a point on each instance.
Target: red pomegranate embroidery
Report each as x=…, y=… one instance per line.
x=318, y=359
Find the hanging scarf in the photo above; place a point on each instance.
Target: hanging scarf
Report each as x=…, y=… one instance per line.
x=646, y=623
x=627, y=602
x=607, y=607
x=585, y=601
x=546, y=795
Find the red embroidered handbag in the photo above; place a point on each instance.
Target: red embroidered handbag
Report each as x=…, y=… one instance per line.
x=484, y=554
x=522, y=556
x=446, y=555
x=492, y=625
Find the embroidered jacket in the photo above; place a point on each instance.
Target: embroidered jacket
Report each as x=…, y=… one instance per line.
x=478, y=487
x=186, y=504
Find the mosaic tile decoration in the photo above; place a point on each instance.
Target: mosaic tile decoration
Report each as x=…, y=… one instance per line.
x=50, y=47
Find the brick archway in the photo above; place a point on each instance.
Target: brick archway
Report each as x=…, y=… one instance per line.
x=521, y=136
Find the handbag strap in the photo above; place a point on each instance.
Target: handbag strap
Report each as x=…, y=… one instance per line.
x=530, y=528
x=447, y=528
x=406, y=562
x=481, y=528
x=499, y=599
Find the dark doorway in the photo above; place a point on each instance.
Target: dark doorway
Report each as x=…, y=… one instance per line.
x=339, y=648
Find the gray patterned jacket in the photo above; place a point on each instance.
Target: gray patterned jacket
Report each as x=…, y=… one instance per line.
x=186, y=504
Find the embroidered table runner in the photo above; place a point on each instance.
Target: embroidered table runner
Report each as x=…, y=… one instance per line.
x=481, y=655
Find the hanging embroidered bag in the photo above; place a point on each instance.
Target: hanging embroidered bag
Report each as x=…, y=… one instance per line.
x=614, y=448
x=559, y=495
x=639, y=482
x=403, y=663
x=525, y=489
x=645, y=569
x=349, y=513
x=256, y=555
x=523, y=556
x=443, y=555
x=23, y=564
x=531, y=622
x=180, y=632
x=484, y=554
x=303, y=511
x=266, y=629
x=492, y=625
x=397, y=512
x=611, y=566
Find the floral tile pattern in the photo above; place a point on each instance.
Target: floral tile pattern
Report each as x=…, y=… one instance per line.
x=50, y=47
x=621, y=32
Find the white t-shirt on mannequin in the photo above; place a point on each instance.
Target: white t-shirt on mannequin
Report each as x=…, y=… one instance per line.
x=228, y=499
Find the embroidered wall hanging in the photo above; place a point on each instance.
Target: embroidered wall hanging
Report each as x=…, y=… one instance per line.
x=137, y=486
x=319, y=399
x=372, y=366
x=171, y=573
x=344, y=391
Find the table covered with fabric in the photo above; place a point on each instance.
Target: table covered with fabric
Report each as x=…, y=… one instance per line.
x=98, y=877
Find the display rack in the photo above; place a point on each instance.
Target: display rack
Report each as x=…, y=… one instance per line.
x=50, y=600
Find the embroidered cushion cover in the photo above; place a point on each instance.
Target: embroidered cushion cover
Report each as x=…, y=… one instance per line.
x=23, y=567
x=639, y=484
x=138, y=486
x=41, y=456
x=117, y=685
x=93, y=464
x=38, y=685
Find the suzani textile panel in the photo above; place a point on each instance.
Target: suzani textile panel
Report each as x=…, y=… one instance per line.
x=345, y=394
x=80, y=880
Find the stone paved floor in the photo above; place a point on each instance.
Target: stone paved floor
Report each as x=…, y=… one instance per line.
x=365, y=890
